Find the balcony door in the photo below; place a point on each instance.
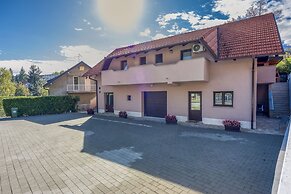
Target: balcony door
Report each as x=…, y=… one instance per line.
x=76, y=83
x=195, y=106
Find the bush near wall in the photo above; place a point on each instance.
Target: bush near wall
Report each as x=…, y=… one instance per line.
x=29, y=106
x=2, y=113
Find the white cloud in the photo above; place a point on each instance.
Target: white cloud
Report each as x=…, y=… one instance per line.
x=78, y=29
x=194, y=20
x=96, y=29
x=158, y=36
x=232, y=8
x=71, y=55
x=87, y=22
x=145, y=33
x=176, y=30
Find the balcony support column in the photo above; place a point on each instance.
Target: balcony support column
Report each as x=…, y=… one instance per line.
x=96, y=83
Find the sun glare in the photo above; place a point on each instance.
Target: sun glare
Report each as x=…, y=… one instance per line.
x=122, y=16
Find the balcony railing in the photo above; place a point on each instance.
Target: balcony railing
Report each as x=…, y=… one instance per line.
x=81, y=88
x=266, y=74
x=182, y=71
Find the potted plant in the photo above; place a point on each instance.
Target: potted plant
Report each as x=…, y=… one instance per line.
x=90, y=111
x=231, y=125
x=122, y=114
x=171, y=119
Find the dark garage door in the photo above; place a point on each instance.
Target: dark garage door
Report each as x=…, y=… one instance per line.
x=155, y=104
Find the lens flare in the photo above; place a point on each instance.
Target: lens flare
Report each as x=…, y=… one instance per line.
x=121, y=16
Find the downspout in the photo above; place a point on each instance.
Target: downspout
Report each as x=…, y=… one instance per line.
x=96, y=83
x=253, y=93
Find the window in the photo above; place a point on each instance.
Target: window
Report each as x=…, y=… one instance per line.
x=81, y=68
x=128, y=97
x=159, y=58
x=186, y=54
x=124, y=65
x=223, y=98
x=143, y=60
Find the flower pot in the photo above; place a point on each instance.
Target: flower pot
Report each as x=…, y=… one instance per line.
x=231, y=128
x=171, y=121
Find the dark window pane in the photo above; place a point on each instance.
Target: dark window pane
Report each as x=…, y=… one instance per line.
x=143, y=60
x=186, y=54
x=128, y=97
x=124, y=65
x=159, y=58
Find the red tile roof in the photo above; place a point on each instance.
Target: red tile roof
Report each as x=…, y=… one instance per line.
x=251, y=37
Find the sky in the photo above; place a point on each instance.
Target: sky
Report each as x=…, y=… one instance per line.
x=56, y=34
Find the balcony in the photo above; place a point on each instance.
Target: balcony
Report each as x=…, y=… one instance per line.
x=182, y=71
x=266, y=74
x=80, y=88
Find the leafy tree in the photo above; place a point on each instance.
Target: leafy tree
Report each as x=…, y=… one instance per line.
x=284, y=66
x=35, y=81
x=7, y=87
x=44, y=92
x=21, y=90
x=21, y=77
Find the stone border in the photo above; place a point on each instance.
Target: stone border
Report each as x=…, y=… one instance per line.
x=282, y=178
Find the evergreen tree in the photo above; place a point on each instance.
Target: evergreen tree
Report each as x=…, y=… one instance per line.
x=35, y=81
x=21, y=77
x=7, y=87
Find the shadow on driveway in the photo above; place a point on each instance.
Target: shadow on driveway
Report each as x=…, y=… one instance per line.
x=205, y=160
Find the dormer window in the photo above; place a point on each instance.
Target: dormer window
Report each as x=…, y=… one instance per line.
x=159, y=58
x=124, y=65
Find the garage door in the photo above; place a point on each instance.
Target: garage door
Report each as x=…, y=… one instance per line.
x=155, y=104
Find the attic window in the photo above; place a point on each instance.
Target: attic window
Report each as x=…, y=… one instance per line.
x=81, y=68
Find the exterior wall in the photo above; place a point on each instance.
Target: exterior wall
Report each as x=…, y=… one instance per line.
x=59, y=87
x=266, y=74
x=86, y=101
x=227, y=75
x=183, y=71
x=170, y=56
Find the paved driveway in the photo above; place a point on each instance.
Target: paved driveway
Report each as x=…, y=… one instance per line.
x=74, y=153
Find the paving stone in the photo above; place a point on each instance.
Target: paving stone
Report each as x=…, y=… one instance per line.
x=52, y=154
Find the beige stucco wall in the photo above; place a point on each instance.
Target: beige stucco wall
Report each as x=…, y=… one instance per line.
x=170, y=56
x=226, y=75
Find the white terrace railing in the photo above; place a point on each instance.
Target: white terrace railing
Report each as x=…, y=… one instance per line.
x=81, y=88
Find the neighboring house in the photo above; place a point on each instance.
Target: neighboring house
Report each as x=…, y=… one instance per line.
x=71, y=82
x=206, y=75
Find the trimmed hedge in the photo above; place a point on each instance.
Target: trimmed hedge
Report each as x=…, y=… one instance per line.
x=2, y=113
x=29, y=106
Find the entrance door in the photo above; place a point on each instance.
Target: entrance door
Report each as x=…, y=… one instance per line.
x=195, y=106
x=109, y=102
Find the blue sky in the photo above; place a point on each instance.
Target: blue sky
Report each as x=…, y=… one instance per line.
x=55, y=34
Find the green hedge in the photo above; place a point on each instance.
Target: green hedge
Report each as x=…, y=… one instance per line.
x=2, y=113
x=28, y=106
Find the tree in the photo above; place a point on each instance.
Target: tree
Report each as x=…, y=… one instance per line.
x=12, y=76
x=7, y=87
x=260, y=7
x=35, y=81
x=21, y=77
x=21, y=90
x=284, y=66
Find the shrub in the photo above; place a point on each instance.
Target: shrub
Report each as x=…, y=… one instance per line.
x=231, y=123
x=171, y=119
x=40, y=105
x=122, y=114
